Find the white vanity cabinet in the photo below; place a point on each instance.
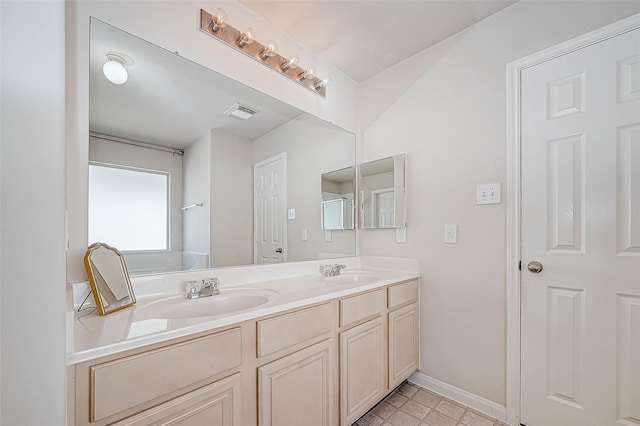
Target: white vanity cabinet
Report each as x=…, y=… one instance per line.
x=178, y=383
x=322, y=364
x=403, y=332
x=298, y=386
x=378, y=346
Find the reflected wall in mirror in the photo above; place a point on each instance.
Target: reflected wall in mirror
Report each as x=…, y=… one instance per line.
x=108, y=277
x=338, y=188
x=170, y=120
x=383, y=193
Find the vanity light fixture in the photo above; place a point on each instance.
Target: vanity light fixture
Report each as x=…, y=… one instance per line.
x=243, y=41
x=218, y=20
x=240, y=111
x=291, y=63
x=246, y=37
x=269, y=50
x=114, y=69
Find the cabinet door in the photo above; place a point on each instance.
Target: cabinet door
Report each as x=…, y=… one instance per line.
x=363, y=369
x=298, y=389
x=403, y=344
x=217, y=404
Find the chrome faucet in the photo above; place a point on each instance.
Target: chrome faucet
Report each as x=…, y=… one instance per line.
x=209, y=287
x=331, y=270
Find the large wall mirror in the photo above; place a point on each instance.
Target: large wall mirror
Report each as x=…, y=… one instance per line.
x=179, y=181
x=383, y=193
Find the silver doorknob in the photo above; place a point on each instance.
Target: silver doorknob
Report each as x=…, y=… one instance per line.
x=278, y=250
x=534, y=266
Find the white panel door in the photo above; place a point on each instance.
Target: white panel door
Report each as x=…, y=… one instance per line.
x=581, y=221
x=270, y=210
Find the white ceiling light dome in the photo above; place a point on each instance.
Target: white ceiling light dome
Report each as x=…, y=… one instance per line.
x=114, y=69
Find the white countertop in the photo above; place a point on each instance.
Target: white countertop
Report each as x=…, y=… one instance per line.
x=91, y=336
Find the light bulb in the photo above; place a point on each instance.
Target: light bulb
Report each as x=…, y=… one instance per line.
x=306, y=74
x=114, y=69
x=246, y=37
x=290, y=63
x=218, y=20
x=269, y=50
x=322, y=83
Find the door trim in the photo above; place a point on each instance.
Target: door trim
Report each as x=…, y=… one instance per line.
x=285, y=244
x=514, y=70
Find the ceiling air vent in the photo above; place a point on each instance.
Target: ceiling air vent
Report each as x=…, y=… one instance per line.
x=241, y=112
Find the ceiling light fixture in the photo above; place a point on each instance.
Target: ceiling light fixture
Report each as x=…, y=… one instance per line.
x=269, y=50
x=243, y=41
x=114, y=69
x=218, y=20
x=240, y=111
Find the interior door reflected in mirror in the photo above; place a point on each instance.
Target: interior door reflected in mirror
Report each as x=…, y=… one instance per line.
x=383, y=193
x=338, y=188
x=108, y=278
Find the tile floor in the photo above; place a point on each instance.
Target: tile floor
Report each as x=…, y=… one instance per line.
x=411, y=405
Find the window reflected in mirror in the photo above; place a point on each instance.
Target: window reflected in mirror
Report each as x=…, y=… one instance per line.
x=128, y=208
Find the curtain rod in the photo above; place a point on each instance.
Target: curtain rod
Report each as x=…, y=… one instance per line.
x=173, y=151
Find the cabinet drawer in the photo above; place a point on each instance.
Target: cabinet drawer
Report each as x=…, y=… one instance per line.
x=296, y=327
x=121, y=384
x=215, y=404
x=402, y=294
x=363, y=306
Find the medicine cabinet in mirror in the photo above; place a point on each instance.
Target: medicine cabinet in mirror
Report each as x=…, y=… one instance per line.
x=109, y=279
x=175, y=147
x=338, y=189
x=383, y=193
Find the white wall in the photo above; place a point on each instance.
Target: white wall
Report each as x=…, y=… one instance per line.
x=307, y=143
x=196, y=178
x=231, y=200
x=32, y=250
x=445, y=107
x=173, y=25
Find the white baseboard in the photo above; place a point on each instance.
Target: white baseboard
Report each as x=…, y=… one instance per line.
x=469, y=399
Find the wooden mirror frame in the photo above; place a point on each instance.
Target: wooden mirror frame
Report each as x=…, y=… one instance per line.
x=95, y=276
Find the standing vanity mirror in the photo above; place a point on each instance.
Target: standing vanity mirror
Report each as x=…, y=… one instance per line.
x=383, y=193
x=109, y=279
x=176, y=147
x=338, y=188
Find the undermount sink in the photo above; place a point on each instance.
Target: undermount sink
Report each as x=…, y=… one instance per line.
x=353, y=277
x=228, y=301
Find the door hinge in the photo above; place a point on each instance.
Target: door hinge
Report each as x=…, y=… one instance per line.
x=520, y=266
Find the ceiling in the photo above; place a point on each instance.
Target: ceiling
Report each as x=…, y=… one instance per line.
x=363, y=38
x=169, y=100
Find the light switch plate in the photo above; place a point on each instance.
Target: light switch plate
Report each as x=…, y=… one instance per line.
x=450, y=234
x=291, y=214
x=488, y=193
x=327, y=236
x=401, y=235
x=305, y=235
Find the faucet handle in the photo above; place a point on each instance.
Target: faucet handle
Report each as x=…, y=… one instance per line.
x=326, y=270
x=216, y=285
x=337, y=268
